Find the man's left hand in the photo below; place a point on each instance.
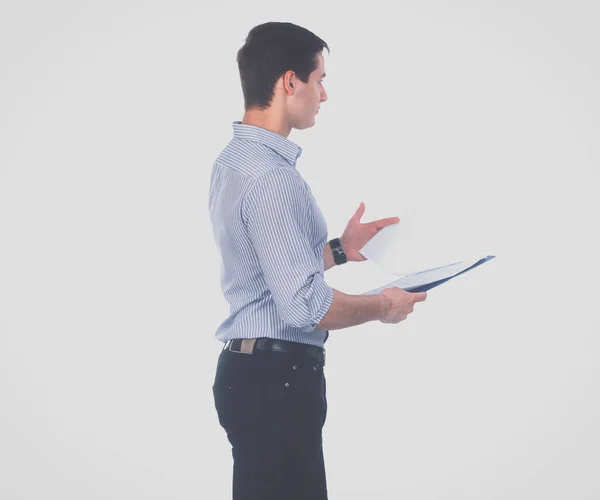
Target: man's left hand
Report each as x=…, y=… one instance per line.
x=356, y=235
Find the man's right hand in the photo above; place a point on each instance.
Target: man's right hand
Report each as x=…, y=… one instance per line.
x=398, y=304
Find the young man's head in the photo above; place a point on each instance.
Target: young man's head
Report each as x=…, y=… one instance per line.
x=281, y=70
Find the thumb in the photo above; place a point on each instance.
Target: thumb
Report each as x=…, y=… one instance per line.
x=359, y=213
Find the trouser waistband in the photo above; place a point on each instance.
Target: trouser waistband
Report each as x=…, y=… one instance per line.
x=247, y=346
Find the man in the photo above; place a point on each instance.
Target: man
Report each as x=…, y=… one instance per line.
x=269, y=388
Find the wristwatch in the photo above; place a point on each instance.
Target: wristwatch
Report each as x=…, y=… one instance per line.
x=339, y=256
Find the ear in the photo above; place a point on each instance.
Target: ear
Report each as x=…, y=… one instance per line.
x=288, y=82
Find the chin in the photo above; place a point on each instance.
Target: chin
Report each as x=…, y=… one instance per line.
x=304, y=126
x=307, y=122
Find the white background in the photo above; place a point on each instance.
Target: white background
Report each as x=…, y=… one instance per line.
x=477, y=123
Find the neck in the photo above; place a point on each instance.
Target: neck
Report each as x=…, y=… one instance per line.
x=267, y=119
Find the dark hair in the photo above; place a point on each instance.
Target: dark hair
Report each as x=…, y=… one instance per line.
x=270, y=50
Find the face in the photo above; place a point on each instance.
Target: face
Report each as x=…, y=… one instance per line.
x=308, y=97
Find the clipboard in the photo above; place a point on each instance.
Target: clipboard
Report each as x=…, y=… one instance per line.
x=427, y=279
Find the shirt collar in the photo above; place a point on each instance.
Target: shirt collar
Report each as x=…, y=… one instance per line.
x=280, y=144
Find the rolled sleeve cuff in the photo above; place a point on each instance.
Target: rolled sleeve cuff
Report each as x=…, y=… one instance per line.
x=326, y=292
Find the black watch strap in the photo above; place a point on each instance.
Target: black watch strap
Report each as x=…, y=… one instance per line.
x=339, y=256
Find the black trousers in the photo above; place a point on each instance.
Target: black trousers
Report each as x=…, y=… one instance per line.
x=273, y=406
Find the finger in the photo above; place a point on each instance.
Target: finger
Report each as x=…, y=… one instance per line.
x=381, y=223
x=420, y=296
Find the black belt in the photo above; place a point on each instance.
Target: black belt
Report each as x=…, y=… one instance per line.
x=247, y=346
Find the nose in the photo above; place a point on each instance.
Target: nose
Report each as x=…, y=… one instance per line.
x=323, y=95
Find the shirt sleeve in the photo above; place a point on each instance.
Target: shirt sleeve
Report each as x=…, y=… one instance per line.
x=277, y=209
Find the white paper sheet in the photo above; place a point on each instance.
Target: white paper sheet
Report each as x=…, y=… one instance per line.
x=385, y=249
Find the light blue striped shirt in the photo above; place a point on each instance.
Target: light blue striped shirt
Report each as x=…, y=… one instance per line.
x=270, y=234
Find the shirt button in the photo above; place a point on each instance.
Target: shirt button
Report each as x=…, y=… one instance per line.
x=295, y=367
x=287, y=384
x=314, y=367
